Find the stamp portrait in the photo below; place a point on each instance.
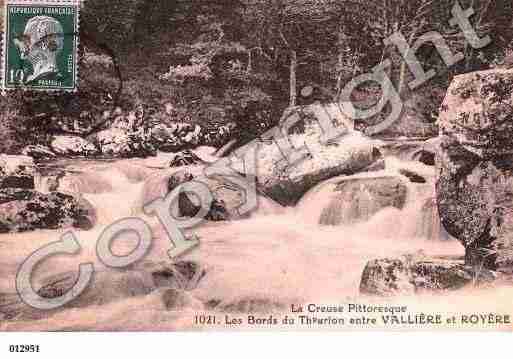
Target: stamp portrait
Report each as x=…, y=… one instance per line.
x=40, y=45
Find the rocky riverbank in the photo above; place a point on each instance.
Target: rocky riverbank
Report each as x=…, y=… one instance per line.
x=473, y=190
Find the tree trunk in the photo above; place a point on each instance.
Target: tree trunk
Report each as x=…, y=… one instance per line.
x=293, y=78
x=249, y=68
x=402, y=73
x=402, y=77
x=339, y=75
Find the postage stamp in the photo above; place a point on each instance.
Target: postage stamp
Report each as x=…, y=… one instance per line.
x=40, y=45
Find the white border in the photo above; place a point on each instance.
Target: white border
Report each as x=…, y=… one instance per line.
x=78, y=4
x=259, y=345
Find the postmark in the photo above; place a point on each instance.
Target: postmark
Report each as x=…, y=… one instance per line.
x=40, y=45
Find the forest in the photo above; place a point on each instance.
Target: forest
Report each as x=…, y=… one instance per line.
x=241, y=63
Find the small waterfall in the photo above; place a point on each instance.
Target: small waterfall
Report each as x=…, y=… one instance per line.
x=358, y=200
x=120, y=202
x=84, y=182
x=383, y=199
x=422, y=213
x=45, y=184
x=113, y=188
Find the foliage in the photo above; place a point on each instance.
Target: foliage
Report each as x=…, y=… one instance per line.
x=229, y=62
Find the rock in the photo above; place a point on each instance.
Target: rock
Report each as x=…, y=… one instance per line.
x=286, y=184
x=164, y=137
x=185, y=158
x=123, y=143
x=26, y=210
x=412, y=176
x=378, y=165
x=228, y=198
x=427, y=153
x=311, y=115
x=402, y=149
x=356, y=200
x=73, y=146
x=17, y=172
x=417, y=118
x=111, y=285
x=79, y=125
x=183, y=275
x=251, y=305
x=218, y=136
x=425, y=157
x=11, y=306
x=474, y=167
x=193, y=137
x=182, y=129
x=170, y=136
x=38, y=152
x=107, y=286
x=176, y=136
x=179, y=300
x=189, y=206
x=414, y=274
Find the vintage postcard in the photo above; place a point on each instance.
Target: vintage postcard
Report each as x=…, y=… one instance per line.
x=256, y=165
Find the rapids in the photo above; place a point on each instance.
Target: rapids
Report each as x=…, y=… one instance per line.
x=278, y=256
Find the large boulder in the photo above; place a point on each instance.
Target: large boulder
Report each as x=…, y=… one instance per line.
x=228, y=198
x=25, y=210
x=474, y=167
x=71, y=146
x=161, y=184
x=347, y=155
x=356, y=200
x=416, y=274
x=17, y=172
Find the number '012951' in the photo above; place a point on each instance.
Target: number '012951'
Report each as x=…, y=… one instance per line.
x=24, y=348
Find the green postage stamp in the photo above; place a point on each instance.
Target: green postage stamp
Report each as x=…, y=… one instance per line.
x=40, y=47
